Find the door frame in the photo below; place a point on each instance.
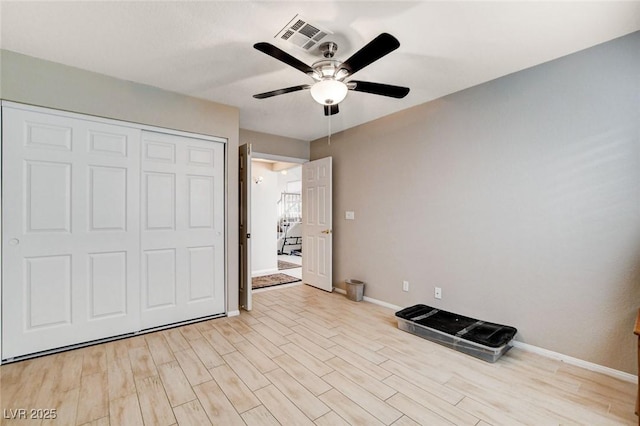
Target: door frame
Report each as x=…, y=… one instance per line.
x=256, y=155
x=244, y=227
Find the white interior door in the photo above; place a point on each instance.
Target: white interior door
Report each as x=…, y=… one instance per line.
x=70, y=231
x=182, y=229
x=245, y=227
x=317, y=231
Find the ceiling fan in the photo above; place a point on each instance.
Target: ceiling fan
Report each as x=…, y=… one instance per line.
x=330, y=87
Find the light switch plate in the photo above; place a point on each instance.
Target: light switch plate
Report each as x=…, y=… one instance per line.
x=349, y=215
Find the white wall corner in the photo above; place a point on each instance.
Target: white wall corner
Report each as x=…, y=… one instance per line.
x=233, y=313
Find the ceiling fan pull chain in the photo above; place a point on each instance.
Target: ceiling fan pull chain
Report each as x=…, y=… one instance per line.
x=329, y=137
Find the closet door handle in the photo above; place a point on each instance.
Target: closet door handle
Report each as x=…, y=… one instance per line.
x=14, y=242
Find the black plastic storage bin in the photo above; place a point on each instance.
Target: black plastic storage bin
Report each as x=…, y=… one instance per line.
x=485, y=340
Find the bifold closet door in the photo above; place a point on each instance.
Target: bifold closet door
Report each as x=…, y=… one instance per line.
x=71, y=237
x=182, y=232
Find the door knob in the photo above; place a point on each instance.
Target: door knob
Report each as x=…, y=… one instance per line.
x=14, y=241
x=326, y=231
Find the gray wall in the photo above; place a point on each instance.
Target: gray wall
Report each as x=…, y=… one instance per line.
x=38, y=82
x=266, y=143
x=520, y=198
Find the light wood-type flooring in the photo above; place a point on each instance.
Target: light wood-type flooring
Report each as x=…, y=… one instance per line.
x=305, y=357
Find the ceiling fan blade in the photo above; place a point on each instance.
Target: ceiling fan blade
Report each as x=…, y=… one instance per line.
x=380, y=89
x=281, y=91
x=331, y=109
x=376, y=49
x=283, y=56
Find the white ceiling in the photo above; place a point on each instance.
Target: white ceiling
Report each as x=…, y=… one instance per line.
x=204, y=49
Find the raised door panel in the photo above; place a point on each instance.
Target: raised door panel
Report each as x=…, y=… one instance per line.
x=159, y=152
x=310, y=247
x=107, y=198
x=47, y=285
x=108, y=285
x=160, y=201
x=310, y=214
x=160, y=278
x=110, y=144
x=47, y=133
x=321, y=205
x=202, y=273
x=201, y=204
x=198, y=156
x=47, y=198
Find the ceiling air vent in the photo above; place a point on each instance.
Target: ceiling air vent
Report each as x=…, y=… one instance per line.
x=302, y=33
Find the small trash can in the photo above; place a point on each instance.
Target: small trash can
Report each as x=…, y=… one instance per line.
x=355, y=290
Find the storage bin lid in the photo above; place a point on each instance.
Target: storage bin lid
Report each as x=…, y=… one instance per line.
x=484, y=333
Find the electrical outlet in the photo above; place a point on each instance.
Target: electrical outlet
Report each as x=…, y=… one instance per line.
x=437, y=293
x=405, y=285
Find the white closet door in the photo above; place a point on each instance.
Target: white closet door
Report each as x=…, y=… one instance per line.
x=182, y=229
x=71, y=243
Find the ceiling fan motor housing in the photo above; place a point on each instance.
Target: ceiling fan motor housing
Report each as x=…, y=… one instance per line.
x=328, y=49
x=328, y=69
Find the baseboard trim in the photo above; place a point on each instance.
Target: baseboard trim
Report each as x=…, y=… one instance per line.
x=276, y=287
x=381, y=303
x=263, y=272
x=535, y=349
x=233, y=313
x=371, y=300
x=577, y=362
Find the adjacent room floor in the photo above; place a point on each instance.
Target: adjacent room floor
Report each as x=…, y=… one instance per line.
x=304, y=356
x=287, y=275
x=295, y=272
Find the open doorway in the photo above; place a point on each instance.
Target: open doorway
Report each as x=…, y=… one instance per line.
x=276, y=223
x=316, y=207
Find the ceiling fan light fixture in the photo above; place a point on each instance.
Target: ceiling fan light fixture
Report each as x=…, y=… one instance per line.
x=329, y=92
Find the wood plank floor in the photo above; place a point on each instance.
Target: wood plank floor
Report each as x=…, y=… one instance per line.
x=305, y=357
